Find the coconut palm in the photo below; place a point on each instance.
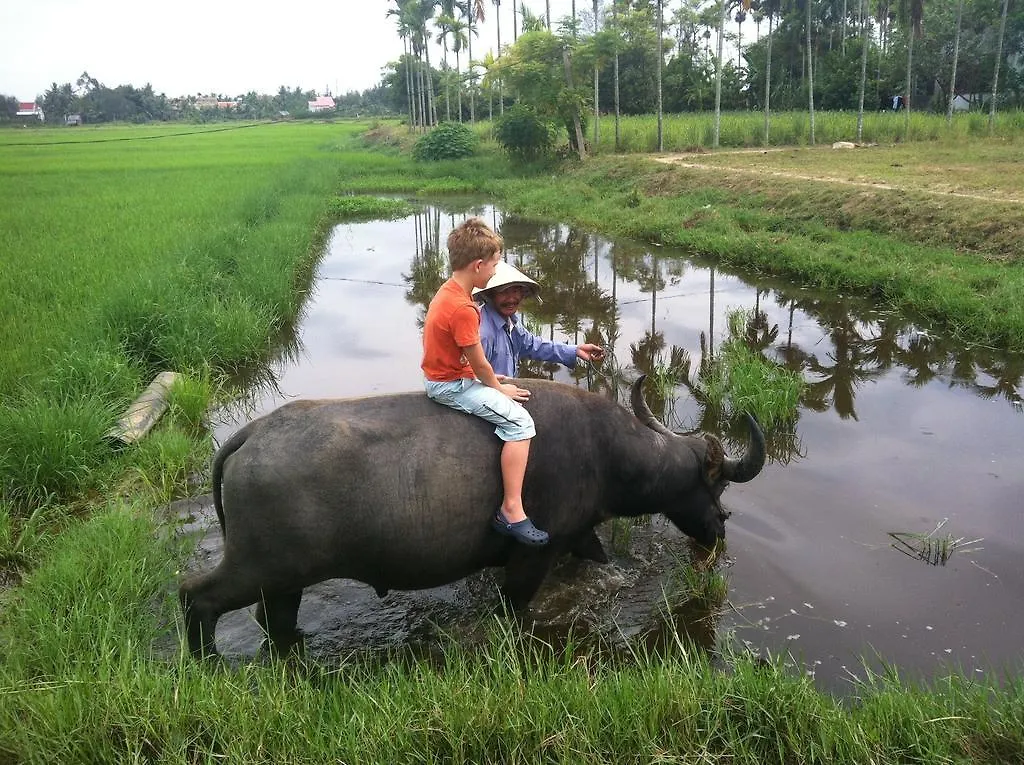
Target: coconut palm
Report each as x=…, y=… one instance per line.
x=497, y=16
x=459, y=41
x=770, y=8
x=547, y=8
x=995, y=77
x=741, y=16
x=597, y=113
x=956, y=56
x=912, y=14
x=723, y=11
x=405, y=31
x=443, y=31
x=863, y=70
x=810, y=68
x=474, y=12
x=615, y=73
x=661, y=58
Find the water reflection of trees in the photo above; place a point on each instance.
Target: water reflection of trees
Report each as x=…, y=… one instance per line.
x=429, y=267
x=581, y=302
x=867, y=343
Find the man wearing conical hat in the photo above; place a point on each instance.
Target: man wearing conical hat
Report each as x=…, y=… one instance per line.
x=504, y=338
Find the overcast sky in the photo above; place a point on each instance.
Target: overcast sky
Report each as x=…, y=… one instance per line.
x=226, y=47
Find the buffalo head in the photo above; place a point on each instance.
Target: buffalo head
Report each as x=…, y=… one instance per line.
x=705, y=473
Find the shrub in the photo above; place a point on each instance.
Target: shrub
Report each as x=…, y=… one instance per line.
x=524, y=134
x=449, y=140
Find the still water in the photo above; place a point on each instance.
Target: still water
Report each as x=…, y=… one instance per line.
x=902, y=432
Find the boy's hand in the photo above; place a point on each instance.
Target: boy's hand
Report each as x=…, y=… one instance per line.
x=515, y=393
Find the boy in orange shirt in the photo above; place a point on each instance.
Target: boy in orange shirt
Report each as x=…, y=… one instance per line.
x=458, y=374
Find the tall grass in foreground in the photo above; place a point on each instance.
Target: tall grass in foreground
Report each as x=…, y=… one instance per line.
x=81, y=682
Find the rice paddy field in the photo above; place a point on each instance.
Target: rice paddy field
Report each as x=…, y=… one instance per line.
x=131, y=250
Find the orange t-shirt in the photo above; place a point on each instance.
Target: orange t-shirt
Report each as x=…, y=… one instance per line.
x=452, y=323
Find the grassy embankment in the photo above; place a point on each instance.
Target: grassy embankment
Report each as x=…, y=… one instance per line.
x=206, y=244
x=933, y=228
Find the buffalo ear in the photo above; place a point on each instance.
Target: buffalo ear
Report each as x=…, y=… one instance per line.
x=713, y=459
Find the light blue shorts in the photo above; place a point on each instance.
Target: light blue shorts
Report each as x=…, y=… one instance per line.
x=513, y=422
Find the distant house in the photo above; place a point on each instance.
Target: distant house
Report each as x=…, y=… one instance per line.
x=30, y=109
x=211, y=102
x=322, y=104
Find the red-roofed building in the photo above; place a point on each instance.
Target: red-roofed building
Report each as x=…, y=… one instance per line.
x=30, y=109
x=322, y=104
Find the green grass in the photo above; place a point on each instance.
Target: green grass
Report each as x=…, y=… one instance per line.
x=82, y=682
x=129, y=257
x=685, y=132
x=361, y=207
x=742, y=380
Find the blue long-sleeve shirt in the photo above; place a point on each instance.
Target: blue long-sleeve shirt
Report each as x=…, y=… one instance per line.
x=507, y=341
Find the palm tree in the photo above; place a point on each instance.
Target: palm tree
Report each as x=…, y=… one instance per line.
x=615, y=72
x=863, y=70
x=810, y=69
x=444, y=30
x=474, y=12
x=405, y=31
x=912, y=12
x=497, y=16
x=723, y=11
x=597, y=113
x=741, y=16
x=769, y=8
x=995, y=77
x=459, y=41
x=547, y=8
x=661, y=57
x=956, y=55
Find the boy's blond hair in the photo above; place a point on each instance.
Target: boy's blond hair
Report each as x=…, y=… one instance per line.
x=473, y=240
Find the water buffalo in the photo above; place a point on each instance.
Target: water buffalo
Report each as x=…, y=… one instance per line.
x=398, y=492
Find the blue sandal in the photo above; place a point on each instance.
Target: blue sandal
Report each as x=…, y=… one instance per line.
x=522, y=531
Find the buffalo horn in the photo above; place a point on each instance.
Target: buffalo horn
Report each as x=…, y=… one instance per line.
x=643, y=412
x=749, y=465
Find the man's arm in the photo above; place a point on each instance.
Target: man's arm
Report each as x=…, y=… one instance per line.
x=531, y=346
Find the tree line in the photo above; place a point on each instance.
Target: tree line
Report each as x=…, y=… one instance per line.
x=93, y=102
x=652, y=56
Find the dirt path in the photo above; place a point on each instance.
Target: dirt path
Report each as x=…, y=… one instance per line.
x=683, y=161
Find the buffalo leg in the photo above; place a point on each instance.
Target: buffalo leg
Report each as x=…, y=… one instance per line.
x=278, y=615
x=524, y=573
x=204, y=599
x=590, y=548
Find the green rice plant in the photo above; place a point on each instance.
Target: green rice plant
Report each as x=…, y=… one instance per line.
x=166, y=463
x=52, y=447
x=362, y=207
x=691, y=131
x=189, y=400
x=744, y=381
x=98, y=369
x=701, y=580
x=24, y=537
x=934, y=550
x=621, y=537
